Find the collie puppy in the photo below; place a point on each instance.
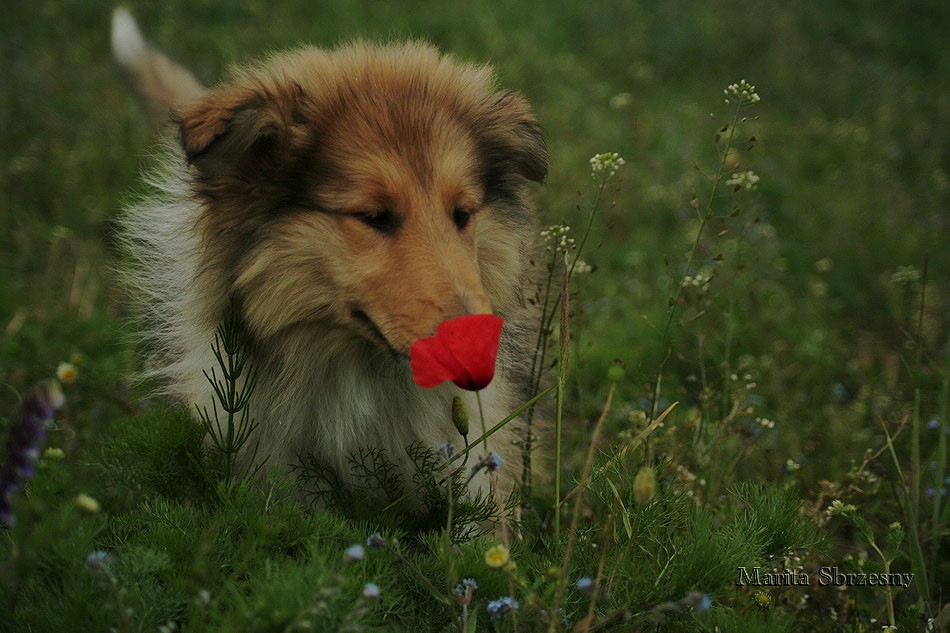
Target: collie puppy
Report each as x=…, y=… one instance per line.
x=347, y=201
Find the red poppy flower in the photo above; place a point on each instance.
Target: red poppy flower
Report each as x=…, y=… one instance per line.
x=463, y=350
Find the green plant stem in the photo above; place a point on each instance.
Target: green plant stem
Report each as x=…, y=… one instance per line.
x=463, y=454
x=447, y=549
x=537, y=369
x=559, y=400
x=887, y=589
x=704, y=217
x=422, y=577
x=540, y=348
x=575, y=517
x=481, y=416
x=635, y=442
x=916, y=553
x=941, y=459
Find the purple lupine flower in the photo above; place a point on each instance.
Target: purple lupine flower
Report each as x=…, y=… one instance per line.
x=24, y=440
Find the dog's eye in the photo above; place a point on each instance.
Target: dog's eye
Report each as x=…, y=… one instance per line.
x=461, y=218
x=386, y=222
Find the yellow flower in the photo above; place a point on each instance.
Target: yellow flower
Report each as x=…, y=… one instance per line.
x=66, y=372
x=763, y=599
x=87, y=503
x=497, y=556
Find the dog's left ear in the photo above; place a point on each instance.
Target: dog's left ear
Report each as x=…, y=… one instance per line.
x=513, y=138
x=241, y=127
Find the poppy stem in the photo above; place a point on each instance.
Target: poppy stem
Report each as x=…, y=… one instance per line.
x=481, y=416
x=465, y=439
x=464, y=452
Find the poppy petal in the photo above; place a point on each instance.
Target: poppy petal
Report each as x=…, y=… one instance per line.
x=463, y=350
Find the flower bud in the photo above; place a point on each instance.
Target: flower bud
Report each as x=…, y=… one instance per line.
x=86, y=503
x=644, y=485
x=460, y=416
x=616, y=371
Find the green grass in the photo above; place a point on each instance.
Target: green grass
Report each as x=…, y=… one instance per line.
x=803, y=307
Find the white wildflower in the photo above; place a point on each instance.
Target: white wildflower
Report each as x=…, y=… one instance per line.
x=67, y=373
x=905, y=276
x=580, y=266
x=839, y=507
x=557, y=236
x=605, y=165
x=743, y=180
x=743, y=92
x=700, y=280
x=621, y=100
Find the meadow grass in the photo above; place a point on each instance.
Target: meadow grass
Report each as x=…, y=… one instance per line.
x=798, y=323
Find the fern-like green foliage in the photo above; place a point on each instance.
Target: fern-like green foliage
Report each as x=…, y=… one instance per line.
x=231, y=437
x=374, y=481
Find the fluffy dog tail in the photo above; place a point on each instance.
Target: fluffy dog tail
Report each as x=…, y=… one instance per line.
x=162, y=84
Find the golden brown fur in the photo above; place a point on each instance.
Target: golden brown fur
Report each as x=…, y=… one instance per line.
x=350, y=200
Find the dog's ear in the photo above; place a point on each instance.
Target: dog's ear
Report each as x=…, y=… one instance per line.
x=240, y=127
x=513, y=138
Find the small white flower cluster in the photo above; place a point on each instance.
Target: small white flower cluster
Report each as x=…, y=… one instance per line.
x=744, y=179
x=823, y=265
x=605, y=165
x=838, y=507
x=621, y=100
x=765, y=423
x=580, y=266
x=558, y=236
x=791, y=465
x=638, y=417
x=700, y=280
x=743, y=92
x=905, y=276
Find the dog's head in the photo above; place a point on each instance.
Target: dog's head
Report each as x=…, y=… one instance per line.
x=378, y=189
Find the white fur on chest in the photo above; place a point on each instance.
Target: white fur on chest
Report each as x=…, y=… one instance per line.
x=325, y=393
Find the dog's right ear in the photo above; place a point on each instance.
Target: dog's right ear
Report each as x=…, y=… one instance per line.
x=240, y=127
